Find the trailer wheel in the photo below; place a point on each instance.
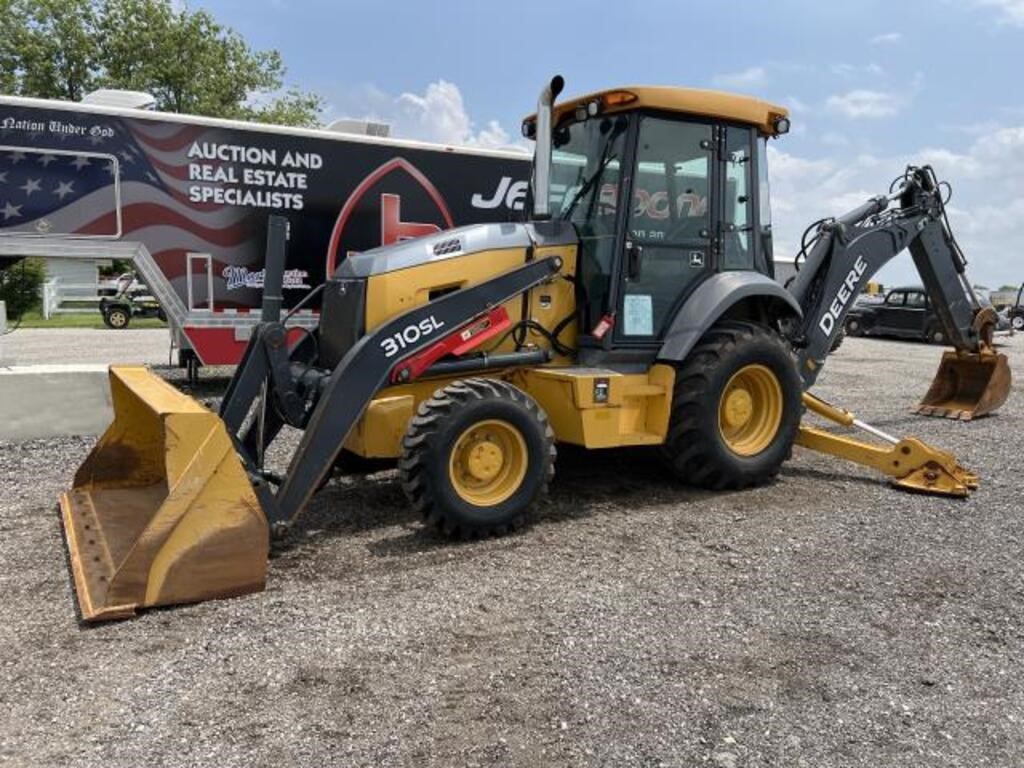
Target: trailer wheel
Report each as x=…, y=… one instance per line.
x=116, y=317
x=735, y=409
x=476, y=456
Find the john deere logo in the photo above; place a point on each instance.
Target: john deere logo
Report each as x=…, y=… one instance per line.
x=395, y=202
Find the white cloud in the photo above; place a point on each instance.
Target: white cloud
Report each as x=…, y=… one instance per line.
x=834, y=139
x=796, y=104
x=863, y=103
x=976, y=128
x=1010, y=11
x=440, y=115
x=985, y=212
x=437, y=115
x=886, y=38
x=752, y=77
x=850, y=71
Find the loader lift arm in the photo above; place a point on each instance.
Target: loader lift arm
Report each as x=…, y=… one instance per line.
x=847, y=251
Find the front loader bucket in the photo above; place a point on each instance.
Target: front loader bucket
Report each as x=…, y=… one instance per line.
x=161, y=511
x=967, y=385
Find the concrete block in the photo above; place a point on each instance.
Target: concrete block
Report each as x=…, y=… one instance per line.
x=40, y=401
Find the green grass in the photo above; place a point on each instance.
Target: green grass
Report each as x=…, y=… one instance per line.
x=34, y=319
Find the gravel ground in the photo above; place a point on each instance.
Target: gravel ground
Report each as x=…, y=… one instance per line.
x=33, y=346
x=827, y=620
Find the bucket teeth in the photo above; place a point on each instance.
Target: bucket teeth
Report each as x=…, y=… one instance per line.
x=967, y=385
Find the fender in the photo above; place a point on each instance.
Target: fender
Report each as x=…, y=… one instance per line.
x=712, y=299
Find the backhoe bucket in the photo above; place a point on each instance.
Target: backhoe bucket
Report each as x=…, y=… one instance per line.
x=162, y=510
x=967, y=385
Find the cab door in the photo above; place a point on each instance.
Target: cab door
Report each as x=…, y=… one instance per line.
x=669, y=226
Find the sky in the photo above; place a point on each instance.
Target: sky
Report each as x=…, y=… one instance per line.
x=872, y=86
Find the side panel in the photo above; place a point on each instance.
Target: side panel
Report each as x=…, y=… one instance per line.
x=391, y=293
x=207, y=189
x=712, y=299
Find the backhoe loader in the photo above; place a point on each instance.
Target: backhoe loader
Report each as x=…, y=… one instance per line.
x=634, y=307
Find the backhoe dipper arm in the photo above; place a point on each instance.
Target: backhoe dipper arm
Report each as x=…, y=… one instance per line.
x=847, y=251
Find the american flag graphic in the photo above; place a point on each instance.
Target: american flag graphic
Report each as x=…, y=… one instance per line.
x=71, y=191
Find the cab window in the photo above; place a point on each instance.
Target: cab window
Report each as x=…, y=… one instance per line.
x=738, y=218
x=916, y=300
x=896, y=298
x=586, y=168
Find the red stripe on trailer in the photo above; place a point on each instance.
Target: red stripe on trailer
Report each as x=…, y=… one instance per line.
x=138, y=215
x=170, y=143
x=219, y=346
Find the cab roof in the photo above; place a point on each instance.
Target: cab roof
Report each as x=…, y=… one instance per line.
x=688, y=101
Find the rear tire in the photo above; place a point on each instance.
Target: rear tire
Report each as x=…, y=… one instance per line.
x=735, y=409
x=1017, y=322
x=116, y=317
x=476, y=456
x=853, y=327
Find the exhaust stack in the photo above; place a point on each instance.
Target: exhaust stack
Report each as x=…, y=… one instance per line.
x=542, y=149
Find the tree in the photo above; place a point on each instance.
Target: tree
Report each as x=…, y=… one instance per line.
x=49, y=48
x=19, y=286
x=186, y=59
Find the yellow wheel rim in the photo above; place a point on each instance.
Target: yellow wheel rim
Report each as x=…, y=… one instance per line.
x=750, y=410
x=488, y=463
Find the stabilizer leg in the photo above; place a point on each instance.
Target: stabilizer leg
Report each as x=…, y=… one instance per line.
x=910, y=463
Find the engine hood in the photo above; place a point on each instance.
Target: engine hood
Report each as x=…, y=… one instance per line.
x=456, y=242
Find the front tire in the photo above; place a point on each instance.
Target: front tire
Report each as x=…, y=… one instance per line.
x=735, y=409
x=476, y=456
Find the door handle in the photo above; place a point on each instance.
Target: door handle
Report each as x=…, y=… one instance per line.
x=634, y=260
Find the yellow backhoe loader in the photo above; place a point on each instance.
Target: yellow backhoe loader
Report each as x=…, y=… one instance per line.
x=635, y=307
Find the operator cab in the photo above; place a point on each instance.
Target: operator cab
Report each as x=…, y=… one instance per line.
x=665, y=187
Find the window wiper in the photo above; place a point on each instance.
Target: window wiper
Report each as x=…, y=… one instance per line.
x=587, y=185
x=605, y=159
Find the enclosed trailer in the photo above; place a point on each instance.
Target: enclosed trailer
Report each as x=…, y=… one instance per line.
x=186, y=199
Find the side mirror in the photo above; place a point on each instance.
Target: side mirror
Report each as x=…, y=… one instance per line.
x=634, y=260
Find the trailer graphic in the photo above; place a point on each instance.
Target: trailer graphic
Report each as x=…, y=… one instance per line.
x=187, y=199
